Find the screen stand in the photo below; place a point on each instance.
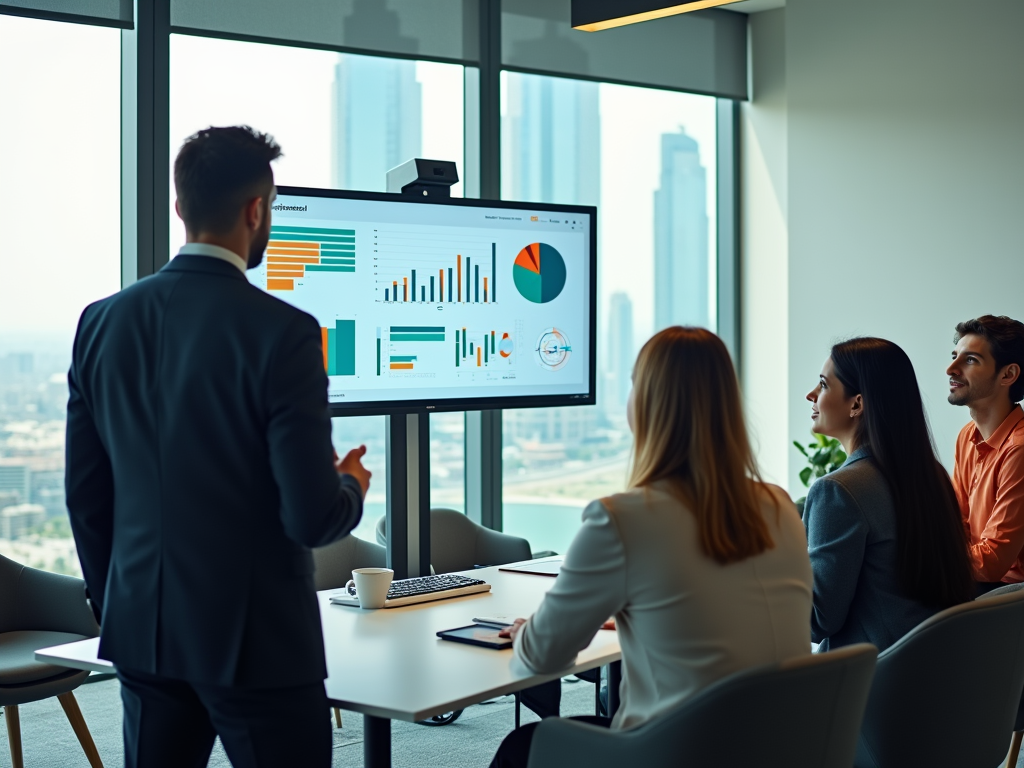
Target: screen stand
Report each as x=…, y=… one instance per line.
x=408, y=493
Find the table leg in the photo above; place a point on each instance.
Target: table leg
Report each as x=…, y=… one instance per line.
x=376, y=742
x=614, y=680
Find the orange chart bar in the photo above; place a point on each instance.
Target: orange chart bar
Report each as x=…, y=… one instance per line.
x=293, y=251
x=485, y=290
x=290, y=244
x=401, y=366
x=293, y=260
x=323, y=345
x=460, y=276
x=478, y=357
x=280, y=285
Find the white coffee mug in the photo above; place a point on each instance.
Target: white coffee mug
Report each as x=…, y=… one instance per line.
x=371, y=586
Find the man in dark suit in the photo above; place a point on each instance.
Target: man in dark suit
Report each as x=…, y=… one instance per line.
x=199, y=473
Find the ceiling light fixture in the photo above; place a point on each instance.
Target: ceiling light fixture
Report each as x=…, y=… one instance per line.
x=595, y=15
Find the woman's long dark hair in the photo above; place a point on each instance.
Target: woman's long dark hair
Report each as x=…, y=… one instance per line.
x=933, y=567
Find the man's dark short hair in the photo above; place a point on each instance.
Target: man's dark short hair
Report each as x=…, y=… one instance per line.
x=1005, y=337
x=217, y=170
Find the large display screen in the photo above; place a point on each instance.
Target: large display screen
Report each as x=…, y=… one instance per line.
x=439, y=304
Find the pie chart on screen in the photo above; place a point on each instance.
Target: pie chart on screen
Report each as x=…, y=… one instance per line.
x=539, y=273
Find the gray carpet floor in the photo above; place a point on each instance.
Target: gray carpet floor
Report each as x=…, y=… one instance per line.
x=469, y=742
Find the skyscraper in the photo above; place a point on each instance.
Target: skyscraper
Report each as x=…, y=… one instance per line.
x=376, y=119
x=681, y=235
x=551, y=153
x=620, y=351
x=551, y=141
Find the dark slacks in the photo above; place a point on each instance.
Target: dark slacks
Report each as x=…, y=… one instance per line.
x=173, y=723
x=514, y=751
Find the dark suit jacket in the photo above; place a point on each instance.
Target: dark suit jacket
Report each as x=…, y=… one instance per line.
x=851, y=537
x=199, y=474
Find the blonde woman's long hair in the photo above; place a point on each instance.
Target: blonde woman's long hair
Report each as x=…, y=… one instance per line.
x=689, y=430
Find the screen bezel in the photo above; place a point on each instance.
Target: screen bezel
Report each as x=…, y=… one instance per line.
x=388, y=408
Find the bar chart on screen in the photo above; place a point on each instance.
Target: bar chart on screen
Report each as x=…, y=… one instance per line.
x=339, y=347
x=410, y=351
x=423, y=266
x=298, y=253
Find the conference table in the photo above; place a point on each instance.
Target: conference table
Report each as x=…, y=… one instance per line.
x=389, y=664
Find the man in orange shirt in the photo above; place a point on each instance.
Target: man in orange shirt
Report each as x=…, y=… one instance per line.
x=989, y=477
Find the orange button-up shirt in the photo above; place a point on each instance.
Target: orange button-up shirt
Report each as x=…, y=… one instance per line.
x=989, y=483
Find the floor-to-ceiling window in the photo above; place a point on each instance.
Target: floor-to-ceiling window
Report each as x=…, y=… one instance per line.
x=343, y=124
x=646, y=158
x=60, y=250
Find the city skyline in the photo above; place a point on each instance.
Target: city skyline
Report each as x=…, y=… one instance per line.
x=681, y=235
x=370, y=135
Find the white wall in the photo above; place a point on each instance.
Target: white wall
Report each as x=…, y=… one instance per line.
x=902, y=196
x=764, y=246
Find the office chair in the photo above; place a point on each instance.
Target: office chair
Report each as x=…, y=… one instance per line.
x=947, y=693
x=335, y=563
x=801, y=713
x=39, y=609
x=1018, y=725
x=459, y=544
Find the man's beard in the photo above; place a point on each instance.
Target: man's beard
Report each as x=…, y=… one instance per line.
x=959, y=397
x=967, y=395
x=257, y=249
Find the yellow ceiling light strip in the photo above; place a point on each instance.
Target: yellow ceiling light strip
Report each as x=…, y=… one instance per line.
x=660, y=13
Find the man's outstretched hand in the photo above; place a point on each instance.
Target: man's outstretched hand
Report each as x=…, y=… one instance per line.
x=352, y=464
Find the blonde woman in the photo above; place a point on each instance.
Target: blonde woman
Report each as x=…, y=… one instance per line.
x=703, y=565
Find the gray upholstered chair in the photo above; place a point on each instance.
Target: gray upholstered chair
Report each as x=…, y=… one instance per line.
x=947, y=692
x=459, y=544
x=39, y=609
x=802, y=713
x=1018, y=725
x=335, y=563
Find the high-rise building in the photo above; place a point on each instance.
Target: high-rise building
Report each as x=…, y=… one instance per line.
x=620, y=351
x=551, y=141
x=376, y=119
x=16, y=478
x=681, y=235
x=551, y=147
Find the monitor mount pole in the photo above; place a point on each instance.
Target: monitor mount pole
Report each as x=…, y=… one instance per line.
x=408, y=435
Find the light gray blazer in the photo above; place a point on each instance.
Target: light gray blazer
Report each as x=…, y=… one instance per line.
x=851, y=536
x=684, y=620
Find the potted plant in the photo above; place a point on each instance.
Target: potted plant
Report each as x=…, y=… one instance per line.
x=824, y=455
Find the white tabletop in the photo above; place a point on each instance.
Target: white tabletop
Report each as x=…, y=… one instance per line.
x=390, y=663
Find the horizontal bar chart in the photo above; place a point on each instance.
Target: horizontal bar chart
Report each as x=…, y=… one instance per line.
x=417, y=333
x=294, y=252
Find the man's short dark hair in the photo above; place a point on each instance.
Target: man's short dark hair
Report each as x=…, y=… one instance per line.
x=217, y=170
x=1005, y=337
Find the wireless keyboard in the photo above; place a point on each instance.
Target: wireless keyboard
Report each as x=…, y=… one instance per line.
x=421, y=590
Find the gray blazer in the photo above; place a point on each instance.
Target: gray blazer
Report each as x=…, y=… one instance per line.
x=684, y=619
x=851, y=536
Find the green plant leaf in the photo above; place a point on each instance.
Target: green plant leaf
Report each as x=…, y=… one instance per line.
x=800, y=448
x=805, y=476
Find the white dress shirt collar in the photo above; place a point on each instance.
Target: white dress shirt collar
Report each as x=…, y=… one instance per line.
x=214, y=252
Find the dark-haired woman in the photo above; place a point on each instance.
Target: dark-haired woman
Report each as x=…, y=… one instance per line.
x=884, y=533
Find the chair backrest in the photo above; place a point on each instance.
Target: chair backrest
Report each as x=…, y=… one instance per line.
x=334, y=563
x=1018, y=723
x=947, y=692
x=802, y=713
x=31, y=599
x=458, y=544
